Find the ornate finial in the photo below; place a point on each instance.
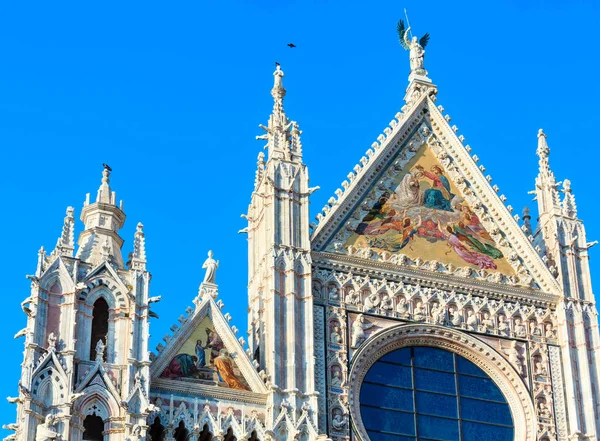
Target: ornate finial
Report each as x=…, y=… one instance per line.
x=104, y=193
x=543, y=150
x=569, y=207
x=211, y=266
x=138, y=258
x=415, y=46
x=526, y=221
x=65, y=245
x=100, y=347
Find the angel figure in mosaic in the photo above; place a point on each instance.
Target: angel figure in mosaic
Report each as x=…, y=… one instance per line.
x=415, y=46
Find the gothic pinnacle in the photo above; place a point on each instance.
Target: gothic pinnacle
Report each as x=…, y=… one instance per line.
x=543, y=151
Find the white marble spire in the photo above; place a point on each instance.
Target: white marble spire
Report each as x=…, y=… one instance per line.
x=65, y=245
x=102, y=220
x=283, y=135
x=546, y=187
x=138, y=259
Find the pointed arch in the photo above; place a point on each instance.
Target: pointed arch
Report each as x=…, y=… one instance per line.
x=99, y=331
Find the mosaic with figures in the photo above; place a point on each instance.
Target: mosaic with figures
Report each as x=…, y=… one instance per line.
x=421, y=214
x=204, y=359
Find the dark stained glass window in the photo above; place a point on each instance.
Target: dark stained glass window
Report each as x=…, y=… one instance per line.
x=429, y=394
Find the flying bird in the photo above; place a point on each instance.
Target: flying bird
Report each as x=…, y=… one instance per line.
x=291, y=45
x=106, y=166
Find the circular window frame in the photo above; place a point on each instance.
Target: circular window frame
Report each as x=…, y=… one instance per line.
x=482, y=355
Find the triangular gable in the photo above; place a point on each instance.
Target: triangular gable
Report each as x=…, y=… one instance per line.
x=205, y=352
x=97, y=377
x=374, y=217
x=58, y=270
x=112, y=280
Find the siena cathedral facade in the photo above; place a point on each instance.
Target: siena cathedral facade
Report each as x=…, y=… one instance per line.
x=418, y=306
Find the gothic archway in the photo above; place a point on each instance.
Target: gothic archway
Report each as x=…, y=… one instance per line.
x=181, y=433
x=99, y=325
x=93, y=427
x=157, y=430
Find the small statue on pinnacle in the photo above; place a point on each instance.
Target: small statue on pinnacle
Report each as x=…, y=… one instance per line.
x=211, y=266
x=415, y=46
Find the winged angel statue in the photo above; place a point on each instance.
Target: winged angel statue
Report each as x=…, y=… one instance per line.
x=416, y=48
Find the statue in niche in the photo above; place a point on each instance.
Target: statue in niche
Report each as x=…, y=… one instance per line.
x=540, y=367
x=402, y=308
x=338, y=422
x=514, y=357
x=455, y=317
x=520, y=329
x=352, y=298
x=419, y=312
x=336, y=337
x=211, y=266
x=471, y=321
x=336, y=378
x=534, y=329
x=52, y=342
x=437, y=314
x=543, y=409
x=372, y=302
x=359, y=327
x=415, y=46
x=45, y=431
x=386, y=303
x=503, y=328
x=487, y=324
x=550, y=332
x=334, y=294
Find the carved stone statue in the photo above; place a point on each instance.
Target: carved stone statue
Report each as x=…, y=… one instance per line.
x=338, y=422
x=550, y=332
x=437, y=314
x=520, y=329
x=402, y=309
x=211, y=266
x=503, y=327
x=540, y=367
x=371, y=303
x=45, y=430
x=100, y=347
x=52, y=342
x=336, y=378
x=471, y=321
x=386, y=303
x=352, y=298
x=455, y=317
x=419, y=312
x=487, y=324
x=416, y=48
x=515, y=357
x=358, y=331
x=334, y=294
x=335, y=337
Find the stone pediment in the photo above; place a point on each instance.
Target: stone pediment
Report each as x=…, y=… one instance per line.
x=203, y=356
x=418, y=199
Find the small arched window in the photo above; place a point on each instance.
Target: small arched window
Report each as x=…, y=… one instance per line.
x=93, y=428
x=181, y=433
x=99, y=325
x=157, y=430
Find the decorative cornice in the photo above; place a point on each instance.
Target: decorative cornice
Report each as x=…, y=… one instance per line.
x=391, y=271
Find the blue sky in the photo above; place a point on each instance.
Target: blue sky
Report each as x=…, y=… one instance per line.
x=170, y=94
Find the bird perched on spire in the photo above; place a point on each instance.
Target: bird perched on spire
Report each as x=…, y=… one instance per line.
x=106, y=167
